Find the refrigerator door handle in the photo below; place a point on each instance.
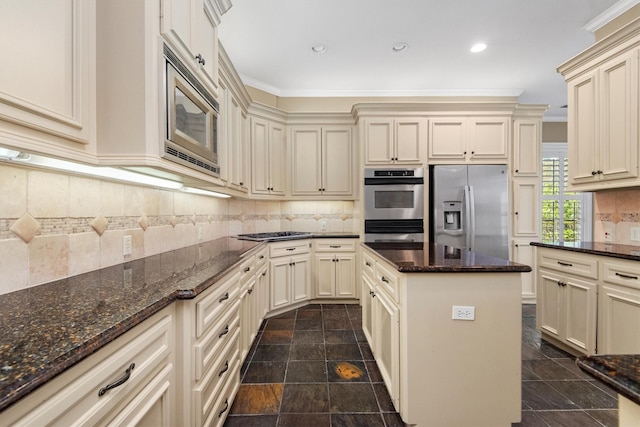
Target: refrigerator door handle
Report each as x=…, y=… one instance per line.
x=467, y=217
x=472, y=219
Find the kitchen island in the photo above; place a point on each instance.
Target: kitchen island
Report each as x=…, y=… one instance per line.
x=440, y=370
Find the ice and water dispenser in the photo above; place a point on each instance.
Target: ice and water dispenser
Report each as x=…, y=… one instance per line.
x=452, y=216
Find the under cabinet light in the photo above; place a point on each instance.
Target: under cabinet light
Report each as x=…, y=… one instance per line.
x=204, y=192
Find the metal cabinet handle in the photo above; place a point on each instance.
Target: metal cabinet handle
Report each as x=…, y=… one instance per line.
x=291, y=249
x=261, y=256
x=250, y=290
x=626, y=276
x=225, y=369
x=226, y=406
x=367, y=264
x=225, y=332
x=118, y=382
x=248, y=269
x=224, y=297
x=384, y=279
x=200, y=59
x=264, y=273
x=565, y=264
x=594, y=173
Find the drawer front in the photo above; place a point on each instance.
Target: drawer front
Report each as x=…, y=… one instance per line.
x=293, y=247
x=225, y=400
x=569, y=263
x=328, y=245
x=622, y=273
x=246, y=270
x=388, y=280
x=368, y=265
x=78, y=396
x=262, y=257
x=225, y=371
x=211, y=344
x=211, y=307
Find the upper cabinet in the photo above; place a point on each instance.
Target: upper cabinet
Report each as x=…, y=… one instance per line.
x=191, y=27
x=322, y=161
x=268, y=157
x=603, y=96
x=396, y=141
x=527, y=144
x=47, y=76
x=469, y=139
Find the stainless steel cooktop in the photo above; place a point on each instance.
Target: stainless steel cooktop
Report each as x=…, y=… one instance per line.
x=277, y=235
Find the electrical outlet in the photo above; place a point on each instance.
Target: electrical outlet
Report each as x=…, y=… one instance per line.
x=463, y=312
x=126, y=245
x=609, y=235
x=323, y=226
x=635, y=234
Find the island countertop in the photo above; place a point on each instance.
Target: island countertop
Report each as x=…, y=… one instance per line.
x=619, y=371
x=428, y=257
x=612, y=250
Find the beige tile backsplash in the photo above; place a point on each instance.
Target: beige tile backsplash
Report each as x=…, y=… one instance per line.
x=617, y=211
x=65, y=206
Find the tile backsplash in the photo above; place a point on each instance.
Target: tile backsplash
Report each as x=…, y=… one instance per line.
x=54, y=225
x=616, y=212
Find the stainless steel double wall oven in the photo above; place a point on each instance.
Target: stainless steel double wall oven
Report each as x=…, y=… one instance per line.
x=394, y=205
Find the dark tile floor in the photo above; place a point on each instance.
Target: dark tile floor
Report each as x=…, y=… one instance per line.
x=313, y=367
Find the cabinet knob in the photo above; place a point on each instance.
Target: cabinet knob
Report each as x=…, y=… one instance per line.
x=599, y=172
x=517, y=171
x=242, y=183
x=465, y=153
x=473, y=152
x=594, y=173
x=200, y=59
x=515, y=213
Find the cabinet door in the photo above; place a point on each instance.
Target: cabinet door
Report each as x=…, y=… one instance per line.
x=386, y=330
x=306, y=177
x=262, y=284
x=526, y=206
x=277, y=158
x=548, y=309
x=325, y=275
x=48, y=67
x=527, y=142
x=237, y=149
x=524, y=253
x=378, y=141
x=488, y=138
x=580, y=310
x=618, y=155
x=301, y=278
x=619, y=308
x=447, y=139
x=337, y=162
x=260, y=156
x=345, y=277
x=177, y=23
x=410, y=136
x=207, y=45
x=582, y=126
x=280, y=282
x=366, y=301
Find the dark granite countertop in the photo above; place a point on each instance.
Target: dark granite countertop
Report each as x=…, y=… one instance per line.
x=620, y=372
x=427, y=257
x=596, y=248
x=48, y=328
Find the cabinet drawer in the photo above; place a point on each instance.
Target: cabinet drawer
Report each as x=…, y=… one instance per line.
x=246, y=269
x=261, y=257
x=212, y=343
x=224, y=373
x=288, y=248
x=74, y=398
x=388, y=280
x=368, y=265
x=211, y=307
x=622, y=273
x=569, y=263
x=343, y=245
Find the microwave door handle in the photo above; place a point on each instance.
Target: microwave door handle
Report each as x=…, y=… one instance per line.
x=472, y=219
x=467, y=217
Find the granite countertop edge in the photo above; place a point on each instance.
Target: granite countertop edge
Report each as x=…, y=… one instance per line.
x=611, y=250
x=620, y=372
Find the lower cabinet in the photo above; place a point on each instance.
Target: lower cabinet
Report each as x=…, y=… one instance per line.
x=334, y=268
x=290, y=273
x=131, y=381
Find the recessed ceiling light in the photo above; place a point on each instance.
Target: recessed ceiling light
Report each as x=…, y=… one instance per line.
x=318, y=48
x=478, y=47
x=399, y=47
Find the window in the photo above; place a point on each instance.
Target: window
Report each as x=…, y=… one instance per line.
x=566, y=215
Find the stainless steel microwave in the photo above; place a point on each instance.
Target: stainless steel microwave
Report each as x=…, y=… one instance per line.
x=192, y=119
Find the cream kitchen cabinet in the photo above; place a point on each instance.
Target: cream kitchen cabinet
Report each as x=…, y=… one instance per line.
x=398, y=141
x=567, y=299
x=47, y=77
x=619, y=308
x=262, y=286
x=130, y=381
x=334, y=268
x=603, y=96
x=526, y=207
x=522, y=252
x=469, y=139
x=268, y=157
x=248, y=305
x=191, y=27
x=322, y=161
x=527, y=145
x=290, y=273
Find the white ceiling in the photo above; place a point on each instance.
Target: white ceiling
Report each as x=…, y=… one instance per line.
x=269, y=43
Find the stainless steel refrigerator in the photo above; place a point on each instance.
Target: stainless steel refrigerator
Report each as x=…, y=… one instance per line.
x=469, y=207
